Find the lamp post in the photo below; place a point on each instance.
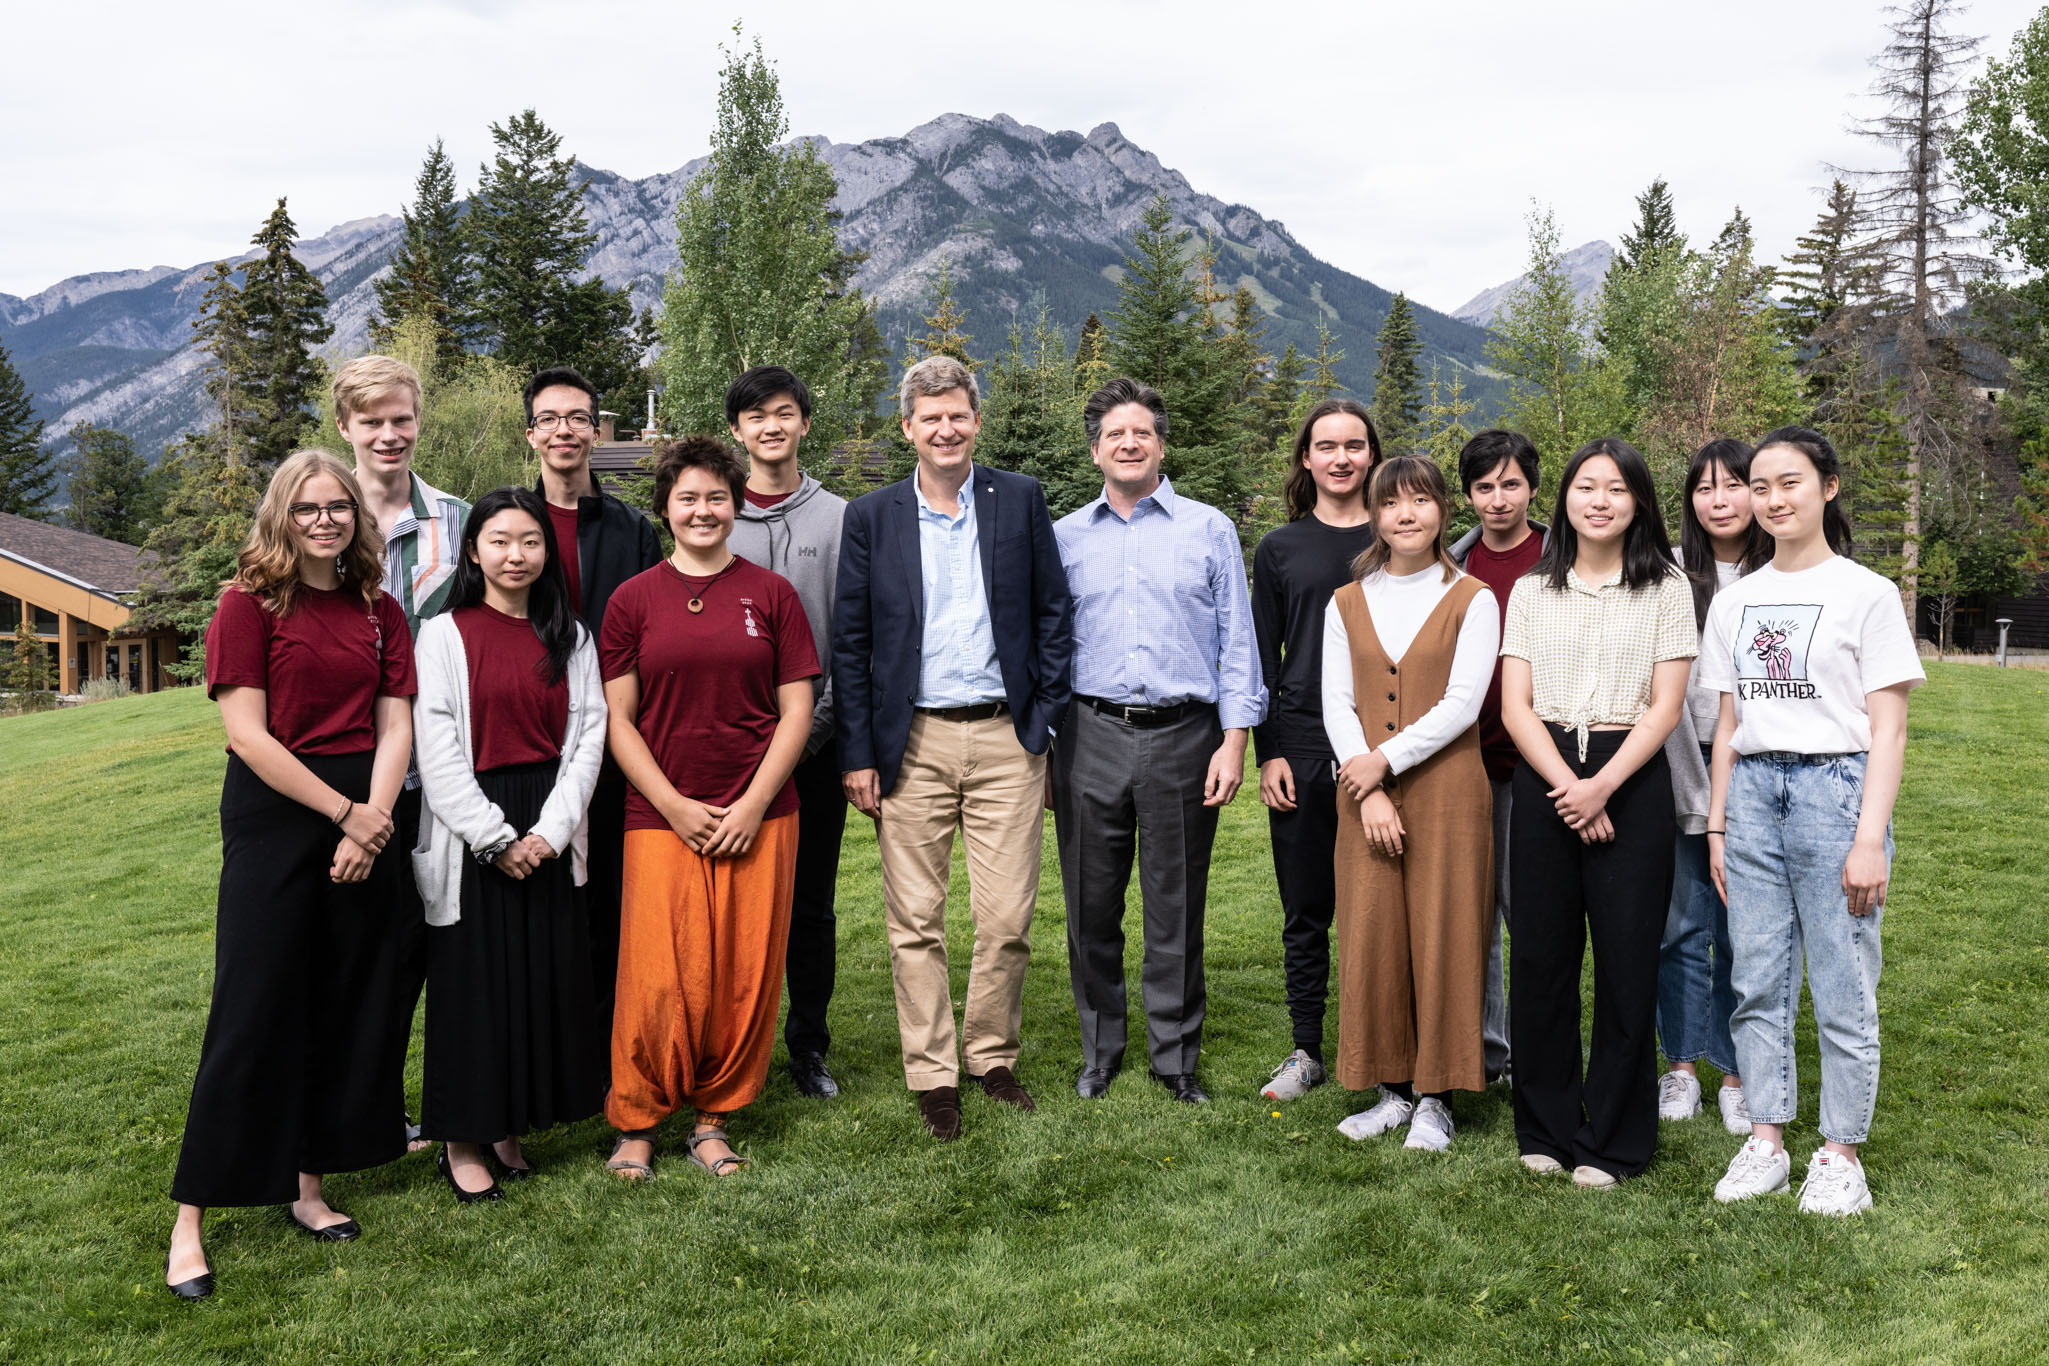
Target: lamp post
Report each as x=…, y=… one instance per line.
x=2003, y=623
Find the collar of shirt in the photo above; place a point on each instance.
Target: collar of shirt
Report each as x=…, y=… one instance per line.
x=1161, y=498
x=1579, y=585
x=966, y=499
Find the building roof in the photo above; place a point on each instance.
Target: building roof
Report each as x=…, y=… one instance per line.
x=106, y=567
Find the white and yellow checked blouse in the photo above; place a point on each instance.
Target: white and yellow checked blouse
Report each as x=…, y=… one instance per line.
x=1591, y=648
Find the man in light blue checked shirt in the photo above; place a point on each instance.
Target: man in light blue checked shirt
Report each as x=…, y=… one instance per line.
x=1166, y=688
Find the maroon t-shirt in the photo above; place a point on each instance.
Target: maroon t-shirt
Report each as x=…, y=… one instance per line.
x=707, y=680
x=516, y=715
x=764, y=500
x=565, y=546
x=1499, y=570
x=320, y=668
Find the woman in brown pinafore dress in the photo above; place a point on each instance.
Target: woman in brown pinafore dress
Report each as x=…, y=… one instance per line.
x=1408, y=653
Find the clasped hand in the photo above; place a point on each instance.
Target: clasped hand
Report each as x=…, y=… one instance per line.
x=718, y=831
x=365, y=832
x=1583, y=805
x=523, y=856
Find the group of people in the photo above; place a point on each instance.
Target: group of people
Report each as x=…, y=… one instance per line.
x=591, y=797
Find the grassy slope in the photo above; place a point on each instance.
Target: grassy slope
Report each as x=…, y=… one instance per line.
x=1125, y=1230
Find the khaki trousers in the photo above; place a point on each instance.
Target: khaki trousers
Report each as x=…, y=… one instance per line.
x=976, y=777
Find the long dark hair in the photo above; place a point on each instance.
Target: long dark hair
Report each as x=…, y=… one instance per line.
x=1646, y=553
x=1835, y=523
x=1405, y=475
x=1300, y=488
x=1696, y=546
x=547, y=604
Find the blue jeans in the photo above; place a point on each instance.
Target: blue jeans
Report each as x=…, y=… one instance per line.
x=1791, y=820
x=1695, y=997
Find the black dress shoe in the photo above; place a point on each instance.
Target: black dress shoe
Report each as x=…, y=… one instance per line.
x=494, y=1191
x=1094, y=1082
x=198, y=1288
x=1000, y=1083
x=808, y=1071
x=346, y=1231
x=1183, y=1087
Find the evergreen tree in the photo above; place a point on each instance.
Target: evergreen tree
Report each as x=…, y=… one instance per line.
x=431, y=275
x=1445, y=434
x=1091, y=357
x=211, y=500
x=945, y=326
x=113, y=493
x=761, y=278
x=528, y=234
x=1396, y=374
x=1559, y=391
x=28, y=473
x=283, y=314
x=1277, y=403
x=221, y=332
x=1323, y=369
x=1823, y=274
x=28, y=669
x=1031, y=417
x=1656, y=234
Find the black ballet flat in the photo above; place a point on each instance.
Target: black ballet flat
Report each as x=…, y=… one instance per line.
x=345, y=1232
x=506, y=1171
x=494, y=1191
x=192, y=1291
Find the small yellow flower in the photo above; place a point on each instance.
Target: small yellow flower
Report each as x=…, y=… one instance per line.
x=1277, y=1114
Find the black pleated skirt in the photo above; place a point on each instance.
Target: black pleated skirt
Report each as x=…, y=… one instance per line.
x=511, y=1041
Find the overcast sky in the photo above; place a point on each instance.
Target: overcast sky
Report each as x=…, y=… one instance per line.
x=1401, y=142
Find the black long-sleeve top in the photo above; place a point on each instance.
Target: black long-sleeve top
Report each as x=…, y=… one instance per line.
x=1294, y=572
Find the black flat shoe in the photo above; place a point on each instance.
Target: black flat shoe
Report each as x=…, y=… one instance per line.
x=1183, y=1087
x=1094, y=1082
x=808, y=1071
x=198, y=1288
x=506, y=1171
x=346, y=1231
x=494, y=1191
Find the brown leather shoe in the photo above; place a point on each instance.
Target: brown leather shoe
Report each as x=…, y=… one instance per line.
x=940, y=1109
x=1002, y=1084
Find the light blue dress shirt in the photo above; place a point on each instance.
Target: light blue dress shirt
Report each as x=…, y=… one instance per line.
x=1161, y=614
x=957, y=661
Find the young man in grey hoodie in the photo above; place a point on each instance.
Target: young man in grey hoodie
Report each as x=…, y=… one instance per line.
x=788, y=523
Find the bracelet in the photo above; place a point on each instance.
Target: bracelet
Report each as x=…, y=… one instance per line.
x=1715, y=832
x=341, y=813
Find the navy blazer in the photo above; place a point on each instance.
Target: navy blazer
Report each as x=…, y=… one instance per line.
x=878, y=617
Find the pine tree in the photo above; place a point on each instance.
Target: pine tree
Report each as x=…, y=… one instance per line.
x=1560, y=392
x=113, y=493
x=945, y=326
x=222, y=333
x=28, y=473
x=283, y=312
x=211, y=501
x=761, y=277
x=431, y=275
x=28, y=669
x=1657, y=232
x=1031, y=418
x=1396, y=373
x=1445, y=434
x=1091, y=357
x=1824, y=273
x=528, y=234
x=1323, y=369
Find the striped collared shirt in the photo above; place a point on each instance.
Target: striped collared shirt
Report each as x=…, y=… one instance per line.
x=422, y=550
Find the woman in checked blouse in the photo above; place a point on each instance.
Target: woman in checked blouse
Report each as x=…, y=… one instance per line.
x=1596, y=647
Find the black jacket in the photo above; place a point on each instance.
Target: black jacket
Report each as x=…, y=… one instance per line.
x=613, y=543
x=878, y=621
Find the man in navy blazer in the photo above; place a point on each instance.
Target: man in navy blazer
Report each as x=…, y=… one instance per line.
x=952, y=657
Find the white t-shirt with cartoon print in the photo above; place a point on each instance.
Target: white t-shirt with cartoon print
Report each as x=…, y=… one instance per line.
x=1800, y=651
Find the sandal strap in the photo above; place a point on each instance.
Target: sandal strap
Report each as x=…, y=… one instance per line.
x=698, y=1136
x=719, y=1164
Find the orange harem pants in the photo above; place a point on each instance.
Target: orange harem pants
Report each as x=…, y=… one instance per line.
x=700, y=974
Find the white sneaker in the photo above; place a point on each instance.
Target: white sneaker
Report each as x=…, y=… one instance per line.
x=1594, y=1178
x=1293, y=1078
x=1543, y=1164
x=1678, y=1095
x=1392, y=1113
x=1758, y=1168
x=1430, y=1127
x=1735, y=1110
x=1835, y=1185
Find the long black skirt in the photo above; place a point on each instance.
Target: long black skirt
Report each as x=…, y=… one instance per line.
x=512, y=1044
x=296, y=1073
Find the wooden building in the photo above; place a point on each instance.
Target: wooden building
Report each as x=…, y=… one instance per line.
x=76, y=590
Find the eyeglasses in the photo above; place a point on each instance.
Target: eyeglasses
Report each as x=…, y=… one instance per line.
x=576, y=422
x=306, y=514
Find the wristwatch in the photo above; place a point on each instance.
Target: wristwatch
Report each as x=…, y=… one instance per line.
x=489, y=854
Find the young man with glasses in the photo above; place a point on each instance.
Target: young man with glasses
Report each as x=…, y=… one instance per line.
x=603, y=543
x=377, y=411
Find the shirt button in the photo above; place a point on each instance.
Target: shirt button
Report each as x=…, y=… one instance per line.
x=1390, y=725
x=1390, y=668
x=1390, y=697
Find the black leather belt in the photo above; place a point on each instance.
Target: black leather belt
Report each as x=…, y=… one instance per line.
x=979, y=711
x=1133, y=715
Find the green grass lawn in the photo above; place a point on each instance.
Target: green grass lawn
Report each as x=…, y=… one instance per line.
x=1130, y=1229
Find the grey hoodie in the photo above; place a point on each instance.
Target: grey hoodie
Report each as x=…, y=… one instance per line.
x=799, y=538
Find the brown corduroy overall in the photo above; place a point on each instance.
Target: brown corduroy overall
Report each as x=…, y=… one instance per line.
x=1412, y=929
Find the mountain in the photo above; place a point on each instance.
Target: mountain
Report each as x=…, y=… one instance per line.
x=1017, y=211
x=1586, y=266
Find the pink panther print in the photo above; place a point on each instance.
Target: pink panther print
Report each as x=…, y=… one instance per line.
x=1769, y=645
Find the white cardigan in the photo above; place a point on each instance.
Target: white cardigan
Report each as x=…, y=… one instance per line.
x=455, y=816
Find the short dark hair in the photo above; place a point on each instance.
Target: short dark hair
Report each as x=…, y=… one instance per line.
x=1116, y=394
x=564, y=375
x=696, y=453
x=755, y=388
x=1485, y=453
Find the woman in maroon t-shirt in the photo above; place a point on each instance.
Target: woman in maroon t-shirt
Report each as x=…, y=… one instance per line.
x=313, y=668
x=708, y=664
x=511, y=725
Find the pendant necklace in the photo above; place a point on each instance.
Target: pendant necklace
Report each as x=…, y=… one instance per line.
x=697, y=592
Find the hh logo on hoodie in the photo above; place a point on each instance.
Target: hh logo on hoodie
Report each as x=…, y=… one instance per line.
x=810, y=550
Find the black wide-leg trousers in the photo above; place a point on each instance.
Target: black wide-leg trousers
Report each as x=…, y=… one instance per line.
x=812, y=957
x=296, y=1073
x=1567, y=893
x=1305, y=843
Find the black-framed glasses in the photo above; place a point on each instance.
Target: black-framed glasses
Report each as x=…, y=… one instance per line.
x=576, y=422
x=306, y=514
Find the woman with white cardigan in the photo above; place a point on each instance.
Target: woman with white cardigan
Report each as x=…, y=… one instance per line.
x=510, y=727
